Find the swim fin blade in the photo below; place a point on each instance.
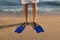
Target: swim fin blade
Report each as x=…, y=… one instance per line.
x=38, y=28
x=20, y=29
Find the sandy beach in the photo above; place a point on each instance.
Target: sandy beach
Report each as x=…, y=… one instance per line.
x=49, y=22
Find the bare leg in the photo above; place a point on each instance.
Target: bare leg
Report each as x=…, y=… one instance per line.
x=26, y=12
x=37, y=27
x=34, y=11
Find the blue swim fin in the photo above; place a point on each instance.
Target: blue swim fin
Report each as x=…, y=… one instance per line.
x=38, y=28
x=21, y=28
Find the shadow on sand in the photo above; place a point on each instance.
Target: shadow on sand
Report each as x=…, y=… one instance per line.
x=13, y=25
x=10, y=25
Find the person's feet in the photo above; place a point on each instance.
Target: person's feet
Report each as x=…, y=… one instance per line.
x=37, y=27
x=21, y=27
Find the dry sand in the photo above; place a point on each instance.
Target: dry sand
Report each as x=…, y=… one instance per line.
x=50, y=24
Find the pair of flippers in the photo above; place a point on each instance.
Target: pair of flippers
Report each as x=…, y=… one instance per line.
x=36, y=27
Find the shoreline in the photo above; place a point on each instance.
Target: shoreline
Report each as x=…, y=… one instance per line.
x=20, y=14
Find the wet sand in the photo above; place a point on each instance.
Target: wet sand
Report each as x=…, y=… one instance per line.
x=50, y=24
